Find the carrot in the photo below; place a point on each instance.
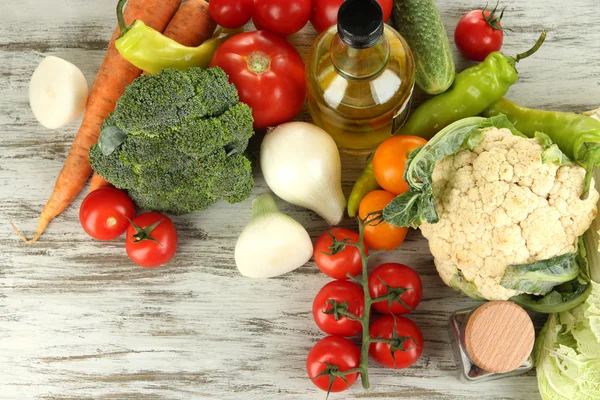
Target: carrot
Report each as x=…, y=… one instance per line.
x=191, y=26
x=98, y=182
x=114, y=75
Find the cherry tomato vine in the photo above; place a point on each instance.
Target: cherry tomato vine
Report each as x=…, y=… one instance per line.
x=395, y=342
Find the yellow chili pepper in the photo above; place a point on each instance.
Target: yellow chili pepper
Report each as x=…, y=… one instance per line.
x=151, y=51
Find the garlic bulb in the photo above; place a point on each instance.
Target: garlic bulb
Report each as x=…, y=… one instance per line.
x=301, y=164
x=272, y=244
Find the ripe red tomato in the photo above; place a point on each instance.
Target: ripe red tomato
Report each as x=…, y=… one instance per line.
x=350, y=297
x=231, y=14
x=337, y=261
x=341, y=355
x=402, y=280
x=151, y=240
x=389, y=161
x=407, y=344
x=324, y=12
x=380, y=235
x=104, y=212
x=283, y=17
x=478, y=33
x=268, y=73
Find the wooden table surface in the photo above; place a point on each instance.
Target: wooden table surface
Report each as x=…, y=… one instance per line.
x=79, y=321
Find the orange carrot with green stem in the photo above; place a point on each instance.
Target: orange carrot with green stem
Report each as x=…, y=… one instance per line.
x=113, y=77
x=191, y=26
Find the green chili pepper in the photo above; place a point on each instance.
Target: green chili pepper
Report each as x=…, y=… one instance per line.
x=473, y=90
x=365, y=184
x=578, y=136
x=151, y=51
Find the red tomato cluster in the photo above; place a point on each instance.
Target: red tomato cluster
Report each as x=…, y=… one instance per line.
x=283, y=17
x=340, y=303
x=151, y=239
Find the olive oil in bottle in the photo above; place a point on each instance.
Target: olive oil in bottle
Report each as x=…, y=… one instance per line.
x=360, y=78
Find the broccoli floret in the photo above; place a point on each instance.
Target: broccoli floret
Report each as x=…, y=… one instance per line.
x=186, y=133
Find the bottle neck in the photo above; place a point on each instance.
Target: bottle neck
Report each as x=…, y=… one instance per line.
x=359, y=63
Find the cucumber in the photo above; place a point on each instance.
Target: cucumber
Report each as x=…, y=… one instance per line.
x=419, y=22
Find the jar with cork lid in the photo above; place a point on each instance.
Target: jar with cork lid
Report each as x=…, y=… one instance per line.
x=492, y=341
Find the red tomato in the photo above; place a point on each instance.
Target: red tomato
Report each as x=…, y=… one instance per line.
x=341, y=355
x=389, y=161
x=380, y=235
x=337, y=261
x=268, y=73
x=324, y=12
x=231, y=14
x=407, y=344
x=151, y=240
x=342, y=292
x=283, y=17
x=403, y=280
x=104, y=212
x=478, y=33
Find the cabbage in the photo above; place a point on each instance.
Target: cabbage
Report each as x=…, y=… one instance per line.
x=568, y=348
x=568, y=352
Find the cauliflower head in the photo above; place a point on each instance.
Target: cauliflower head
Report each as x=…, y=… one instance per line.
x=500, y=204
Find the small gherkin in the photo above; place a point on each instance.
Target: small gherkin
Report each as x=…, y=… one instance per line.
x=185, y=133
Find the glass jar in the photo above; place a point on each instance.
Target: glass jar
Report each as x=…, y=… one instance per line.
x=360, y=76
x=492, y=341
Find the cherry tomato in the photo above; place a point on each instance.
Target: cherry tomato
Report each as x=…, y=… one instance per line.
x=231, y=14
x=346, y=292
x=324, y=12
x=151, y=240
x=268, y=73
x=337, y=261
x=389, y=162
x=478, y=33
x=407, y=346
x=283, y=17
x=340, y=354
x=104, y=212
x=403, y=280
x=380, y=235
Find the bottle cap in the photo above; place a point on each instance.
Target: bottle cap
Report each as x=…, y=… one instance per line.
x=360, y=23
x=499, y=336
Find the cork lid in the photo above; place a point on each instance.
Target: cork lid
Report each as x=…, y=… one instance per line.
x=499, y=336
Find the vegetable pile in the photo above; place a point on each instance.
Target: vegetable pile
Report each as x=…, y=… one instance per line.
x=505, y=194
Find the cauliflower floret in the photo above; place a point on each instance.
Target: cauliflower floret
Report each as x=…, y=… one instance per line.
x=500, y=205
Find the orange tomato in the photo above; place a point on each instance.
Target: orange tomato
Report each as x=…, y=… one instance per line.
x=389, y=161
x=380, y=235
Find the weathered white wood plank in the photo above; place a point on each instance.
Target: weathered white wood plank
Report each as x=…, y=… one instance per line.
x=79, y=321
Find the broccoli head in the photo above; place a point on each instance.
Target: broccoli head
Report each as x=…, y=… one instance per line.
x=176, y=141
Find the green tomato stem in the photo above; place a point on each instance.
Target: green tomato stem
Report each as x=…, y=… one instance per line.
x=366, y=336
x=363, y=367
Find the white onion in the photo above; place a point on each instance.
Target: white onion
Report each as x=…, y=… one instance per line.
x=272, y=243
x=301, y=164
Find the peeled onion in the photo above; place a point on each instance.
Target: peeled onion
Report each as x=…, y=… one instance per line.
x=58, y=92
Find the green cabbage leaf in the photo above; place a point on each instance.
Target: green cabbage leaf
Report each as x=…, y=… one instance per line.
x=568, y=352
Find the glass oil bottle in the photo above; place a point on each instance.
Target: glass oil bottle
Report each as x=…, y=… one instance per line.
x=360, y=78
